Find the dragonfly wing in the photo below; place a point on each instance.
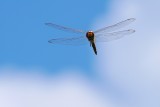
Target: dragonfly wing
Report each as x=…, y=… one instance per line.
x=112, y=36
x=64, y=28
x=116, y=26
x=70, y=41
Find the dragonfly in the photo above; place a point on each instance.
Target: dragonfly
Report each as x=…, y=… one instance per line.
x=104, y=34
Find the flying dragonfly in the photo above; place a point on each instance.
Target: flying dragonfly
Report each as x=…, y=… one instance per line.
x=105, y=34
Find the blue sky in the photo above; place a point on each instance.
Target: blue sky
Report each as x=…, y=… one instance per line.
x=24, y=35
x=127, y=69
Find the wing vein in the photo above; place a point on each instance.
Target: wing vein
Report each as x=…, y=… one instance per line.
x=115, y=26
x=64, y=28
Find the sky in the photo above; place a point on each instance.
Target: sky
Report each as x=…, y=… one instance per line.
x=131, y=64
x=25, y=35
x=125, y=73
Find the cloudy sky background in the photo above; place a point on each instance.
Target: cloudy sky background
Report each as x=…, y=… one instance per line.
x=132, y=63
x=127, y=69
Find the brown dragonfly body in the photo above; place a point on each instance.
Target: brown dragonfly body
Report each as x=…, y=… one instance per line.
x=91, y=39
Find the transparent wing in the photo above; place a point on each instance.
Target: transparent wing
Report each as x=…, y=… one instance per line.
x=70, y=41
x=112, y=36
x=116, y=26
x=98, y=38
x=64, y=28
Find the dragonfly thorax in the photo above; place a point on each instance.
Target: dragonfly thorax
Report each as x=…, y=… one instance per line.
x=90, y=35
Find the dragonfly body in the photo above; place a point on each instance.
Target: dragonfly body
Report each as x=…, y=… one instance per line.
x=91, y=39
x=101, y=35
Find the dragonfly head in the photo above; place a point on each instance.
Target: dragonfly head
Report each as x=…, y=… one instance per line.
x=90, y=35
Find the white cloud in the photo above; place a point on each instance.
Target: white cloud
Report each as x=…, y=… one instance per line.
x=21, y=89
x=132, y=64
